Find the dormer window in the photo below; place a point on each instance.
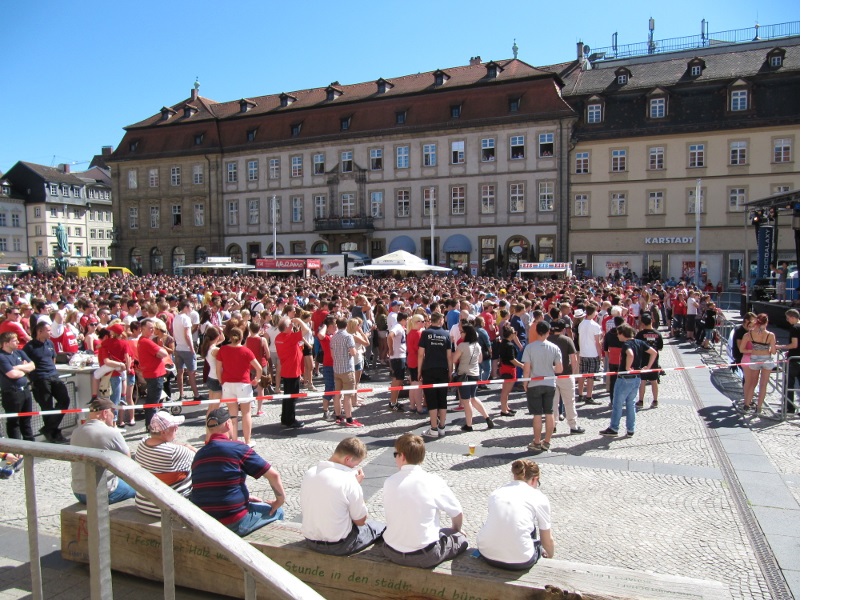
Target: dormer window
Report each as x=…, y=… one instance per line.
x=134, y=145
x=345, y=124
x=696, y=66
x=166, y=113
x=5, y=188
x=440, y=77
x=189, y=110
x=657, y=104
x=400, y=117
x=383, y=86
x=622, y=79
x=455, y=111
x=199, y=139
x=623, y=75
x=775, y=61
x=295, y=129
x=776, y=57
x=251, y=135
x=332, y=92
x=286, y=100
x=493, y=70
x=246, y=105
x=594, y=110
x=513, y=104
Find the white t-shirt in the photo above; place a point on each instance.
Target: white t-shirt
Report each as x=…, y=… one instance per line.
x=399, y=342
x=413, y=500
x=513, y=511
x=588, y=329
x=331, y=498
x=182, y=326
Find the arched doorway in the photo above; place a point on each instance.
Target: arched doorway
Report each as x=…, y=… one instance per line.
x=516, y=250
x=200, y=254
x=234, y=251
x=156, y=260
x=178, y=260
x=136, y=261
x=320, y=248
x=270, y=250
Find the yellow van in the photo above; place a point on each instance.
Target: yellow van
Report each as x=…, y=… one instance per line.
x=97, y=271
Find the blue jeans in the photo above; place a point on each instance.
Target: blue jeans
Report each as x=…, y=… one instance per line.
x=485, y=367
x=122, y=492
x=328, y=376
x=625, y=392
x=155, y=386
x=258, y=516
x=115, y=385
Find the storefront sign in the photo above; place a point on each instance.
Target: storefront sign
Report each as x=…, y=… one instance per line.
x=289, y=263
x=547, y=266
x=668, y=240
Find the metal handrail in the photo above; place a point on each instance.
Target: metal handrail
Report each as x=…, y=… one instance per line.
x=255, y=565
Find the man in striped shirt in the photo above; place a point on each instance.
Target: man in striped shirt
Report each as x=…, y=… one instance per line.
x=219, y=471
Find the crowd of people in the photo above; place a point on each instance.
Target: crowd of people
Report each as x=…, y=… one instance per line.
x=248, y=336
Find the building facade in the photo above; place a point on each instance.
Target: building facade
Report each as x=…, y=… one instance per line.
x=13, y=232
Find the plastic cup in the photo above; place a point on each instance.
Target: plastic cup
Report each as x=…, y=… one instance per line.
x=472, y=449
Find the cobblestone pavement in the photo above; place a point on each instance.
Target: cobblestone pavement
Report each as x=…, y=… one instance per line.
x=657, y=502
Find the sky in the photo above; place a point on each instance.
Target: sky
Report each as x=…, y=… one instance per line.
x=74, y=73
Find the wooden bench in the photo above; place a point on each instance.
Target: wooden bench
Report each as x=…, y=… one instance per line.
x=136, y=549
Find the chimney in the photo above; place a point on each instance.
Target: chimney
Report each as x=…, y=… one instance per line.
x=474, y=61
x=106, y=150
x=580, y=51
x=65, y=168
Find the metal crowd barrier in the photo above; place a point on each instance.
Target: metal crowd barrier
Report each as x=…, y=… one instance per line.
x=793, y=365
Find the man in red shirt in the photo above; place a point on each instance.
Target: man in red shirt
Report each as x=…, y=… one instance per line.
x=13, y=324
x=152, y=364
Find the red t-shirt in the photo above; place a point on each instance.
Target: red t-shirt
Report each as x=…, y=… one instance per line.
x=10, y=325
x=413, y=342
x=150, y=365
x=235, y=364
x=290, y=353
x=318, y=318
x=255, y=345
x=114, y=349
x=327, y=355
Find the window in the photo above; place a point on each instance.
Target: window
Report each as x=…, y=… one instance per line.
x=517, y=198
x=400, y=117
x=582, y=162
x=251, y=135
x=778, y=189
x=656, y=203
x=402, y=203
x=297, y=166
x=776, y=61
x=347, y=205
x=297, y=206
x=546, y=196
x=376, y=205
x=320, y=207
x=54, y=213
x=253, y=170
x=455, y=111
x=133, y=217
x=429, y=201
x=176, y=215
x=197, y=174
x=488, y=149
x=488, y=199
x=622, y=79
x=233, y=212
x=154, y=218
x=402, y=157
x=376, y=159
x=275, y=215
x=696, y=71
x=38, y=230
x=618, y=204
x=54, y=189
x=546, y=145
x=76, y=191
x=16, y=220
x=66, y=191
x=274, y=168
x=253, y=212
x=738, y=100
x=657, y=108
x=132, y=179
x=39, y=248
x=37, y=212
x=153, y=178
x=344, y=123
x=594, y=113
x=2, y=219
x=458, y=200
x=16, y=245
x=782, y=150
x=458, y=157
x=692, y=201
x=656, y=158
x=295, y=130
x=618, y=161
x=198, y=210
x=347, y=161
x=199, y=139
x=738, y=153
x=513, y=105
x=580, y=205
x=517, y=147
x=3, y=245
x=319, y=163
x=696, y=155
x=737, y=199
x=175, y=176
x=429, y=155
x=232, y=173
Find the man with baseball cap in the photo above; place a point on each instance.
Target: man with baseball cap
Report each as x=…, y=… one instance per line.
x=98, y=433
x=167, y=460
x=219, y=471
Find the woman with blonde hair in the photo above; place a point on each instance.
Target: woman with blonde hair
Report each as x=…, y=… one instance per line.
x=360, y=343
x=518, y=529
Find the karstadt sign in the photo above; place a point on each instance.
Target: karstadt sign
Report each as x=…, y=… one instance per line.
x=668, y=240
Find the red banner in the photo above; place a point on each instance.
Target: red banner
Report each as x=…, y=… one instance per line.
x=289, y=263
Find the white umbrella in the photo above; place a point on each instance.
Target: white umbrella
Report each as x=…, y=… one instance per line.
x=400, y=260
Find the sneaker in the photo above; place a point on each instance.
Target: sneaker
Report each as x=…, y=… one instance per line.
x=630, y=434
x=490, y=423
x=545, y=446
x=6, y=471
x=609, y=432
x=396, y=407
x=466, y=427
x=576, y=430
x=339, y=420
x=535, y=447
x=457, y=409
x=328, y=416
x=353, y=423
x=562, y=417
x=431, y=433
x=654, y=404
x=589, y=400
x=638, y=405
x=442, y=431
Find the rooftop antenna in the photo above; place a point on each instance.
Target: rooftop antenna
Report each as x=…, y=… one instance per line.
x=614, y=43
x=651, y=44
x=197, y=83
x=703, y=32
x=757, y=38
x=515, y=48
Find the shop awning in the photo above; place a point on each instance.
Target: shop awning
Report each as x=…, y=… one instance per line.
x=457, y=243
x=402, y=242
x=543, y=268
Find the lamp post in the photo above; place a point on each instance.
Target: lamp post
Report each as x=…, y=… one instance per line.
x=698, y=210
x=433, y=263
x=274, y=226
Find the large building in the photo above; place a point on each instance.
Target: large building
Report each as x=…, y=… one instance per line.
x=594, y=160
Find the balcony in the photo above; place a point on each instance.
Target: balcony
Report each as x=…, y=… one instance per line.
x=344, y=224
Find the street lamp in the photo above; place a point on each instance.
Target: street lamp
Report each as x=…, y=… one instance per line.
x=698, y=208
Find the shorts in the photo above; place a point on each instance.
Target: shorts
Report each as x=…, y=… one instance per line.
x=435, y=398
x=540, y=400
x=588, y=364
x=767, y=365
x=344, y=382
x=507, y=371
x=397, y=368
x=649, y=376
x=242, y=391
x=358, y=366
x=414, y=373
x=185, y=359
x=467, y=391
x=213, y=385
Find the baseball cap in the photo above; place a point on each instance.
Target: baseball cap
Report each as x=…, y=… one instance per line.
x=218, y=417
x=116, y=328
x=164, y=420
x=101, y=403
x=395, y=303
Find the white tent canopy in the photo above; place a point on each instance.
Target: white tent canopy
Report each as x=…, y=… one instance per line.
x=400, y=260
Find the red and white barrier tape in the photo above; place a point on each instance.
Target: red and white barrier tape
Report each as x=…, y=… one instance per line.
x=378, y=389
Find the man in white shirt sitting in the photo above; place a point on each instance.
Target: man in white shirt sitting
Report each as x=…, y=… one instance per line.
x=333, y=510
x=413, y=500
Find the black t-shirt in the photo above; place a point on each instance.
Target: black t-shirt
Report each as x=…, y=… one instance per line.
x=435, y=341
x=710, y=318
x=639, y=348
x=740, y=332
x=795, y=333
x=651, y=337
x=567, y=348
x=507, y=352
